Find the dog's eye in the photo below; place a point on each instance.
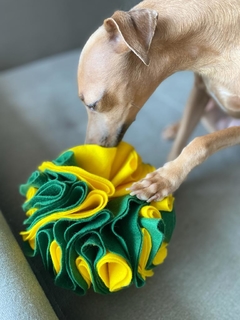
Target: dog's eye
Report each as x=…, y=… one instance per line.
x=92, y=106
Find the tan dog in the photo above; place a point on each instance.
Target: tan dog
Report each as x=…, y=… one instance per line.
x=126, y=59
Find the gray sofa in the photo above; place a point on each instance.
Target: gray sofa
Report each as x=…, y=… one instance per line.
x=41, y=116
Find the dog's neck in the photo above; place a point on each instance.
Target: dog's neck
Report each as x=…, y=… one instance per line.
x=184, y=38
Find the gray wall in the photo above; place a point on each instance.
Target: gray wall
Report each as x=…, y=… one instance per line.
x=33, y=29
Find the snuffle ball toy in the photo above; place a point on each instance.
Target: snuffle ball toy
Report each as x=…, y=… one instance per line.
x=87, y=228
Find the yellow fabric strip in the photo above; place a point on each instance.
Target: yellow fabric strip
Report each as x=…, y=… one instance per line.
x=114, y=271
x=113, y=170
x=31, y=212
x=95, y=159
x=94, y=182
x=31, y=242
x=164, y=205
x=84, y=270
x=150, y=212
x=95, y=201
x=146, y=249
x=127, y=168
x=161, y=254
x=30, y=193
x=56, y=255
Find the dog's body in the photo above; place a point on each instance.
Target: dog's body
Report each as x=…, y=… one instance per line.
x=126, y=59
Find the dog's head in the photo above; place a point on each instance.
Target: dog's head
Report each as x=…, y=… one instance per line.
x=113, y=74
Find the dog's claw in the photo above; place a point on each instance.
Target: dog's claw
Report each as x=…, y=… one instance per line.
x=154, y=198
x=132, y=194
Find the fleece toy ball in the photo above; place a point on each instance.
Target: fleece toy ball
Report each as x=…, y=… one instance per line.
x=87, y=228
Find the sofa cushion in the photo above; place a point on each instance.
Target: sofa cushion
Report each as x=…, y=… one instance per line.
x=41, y=116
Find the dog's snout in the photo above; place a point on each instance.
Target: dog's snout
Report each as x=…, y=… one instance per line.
x=103, y=141
x=108, y=139
x=121, y=131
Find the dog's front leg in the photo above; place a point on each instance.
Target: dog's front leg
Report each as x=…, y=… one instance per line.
x=167, y=179
x=193, y=111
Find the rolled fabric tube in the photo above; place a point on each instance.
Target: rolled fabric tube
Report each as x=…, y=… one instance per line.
x=86, y=226
x=114, y=271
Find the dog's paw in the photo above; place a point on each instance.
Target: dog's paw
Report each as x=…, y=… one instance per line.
x=158, y=184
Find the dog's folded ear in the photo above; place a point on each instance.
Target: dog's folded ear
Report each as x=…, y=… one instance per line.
x=133, y=30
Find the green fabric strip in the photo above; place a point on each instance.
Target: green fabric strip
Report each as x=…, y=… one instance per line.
x=63, y=198
x=155, y=227
x=169, y=219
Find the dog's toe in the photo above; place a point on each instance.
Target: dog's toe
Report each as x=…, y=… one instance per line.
x=153, y=187
x=158, y=184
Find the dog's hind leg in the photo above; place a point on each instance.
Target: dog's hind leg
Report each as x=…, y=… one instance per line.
x=170, y=132
x=192, y=114
x=215, y=118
